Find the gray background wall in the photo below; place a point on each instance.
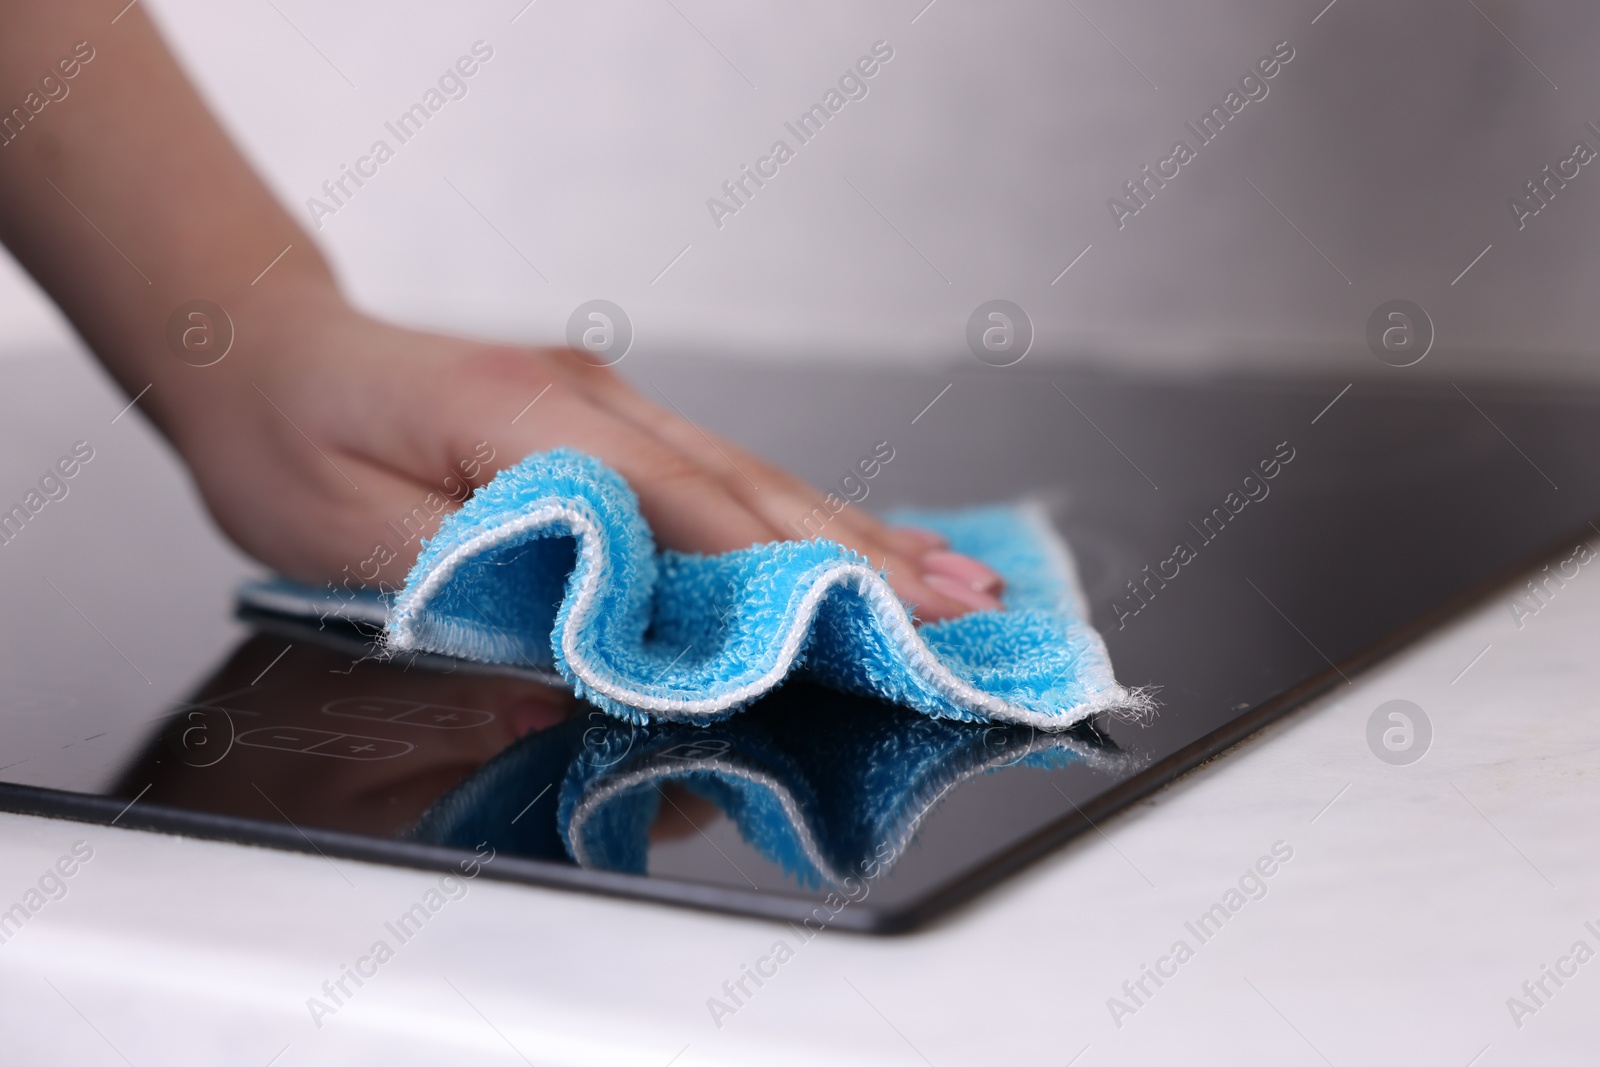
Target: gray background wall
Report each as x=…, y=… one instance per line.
x=978, y=166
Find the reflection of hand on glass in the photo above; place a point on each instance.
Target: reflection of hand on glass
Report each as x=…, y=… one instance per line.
x=683, y=815
x=210, y=770
x=319, y=424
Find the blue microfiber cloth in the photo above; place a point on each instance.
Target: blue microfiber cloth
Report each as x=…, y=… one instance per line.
x=824, y=785
x=552, y=565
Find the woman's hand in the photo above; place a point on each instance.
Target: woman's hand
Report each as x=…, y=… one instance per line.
x=317, y=444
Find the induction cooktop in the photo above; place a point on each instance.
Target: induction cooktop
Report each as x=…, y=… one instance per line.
x=1245, y=545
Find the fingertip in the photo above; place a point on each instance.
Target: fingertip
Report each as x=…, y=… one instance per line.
x=925, y=600
x=963, y=570
x=954, y=589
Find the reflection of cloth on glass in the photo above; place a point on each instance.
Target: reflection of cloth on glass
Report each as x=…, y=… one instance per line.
x=825, y=786
x=552, y=564
x=824, y=790
x=507, y=802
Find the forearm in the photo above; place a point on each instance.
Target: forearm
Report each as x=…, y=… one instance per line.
x=122, y=195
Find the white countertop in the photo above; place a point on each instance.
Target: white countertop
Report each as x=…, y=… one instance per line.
x=1415, y=904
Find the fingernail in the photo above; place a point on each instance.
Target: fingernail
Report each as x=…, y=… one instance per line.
x=923, y=536
x=963, y=569
x=961, y=592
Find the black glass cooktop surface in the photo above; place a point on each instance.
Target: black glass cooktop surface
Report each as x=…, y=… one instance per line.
x=1243, y=545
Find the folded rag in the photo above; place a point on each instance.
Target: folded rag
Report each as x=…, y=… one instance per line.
x=552, y=565
x=825, y=786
